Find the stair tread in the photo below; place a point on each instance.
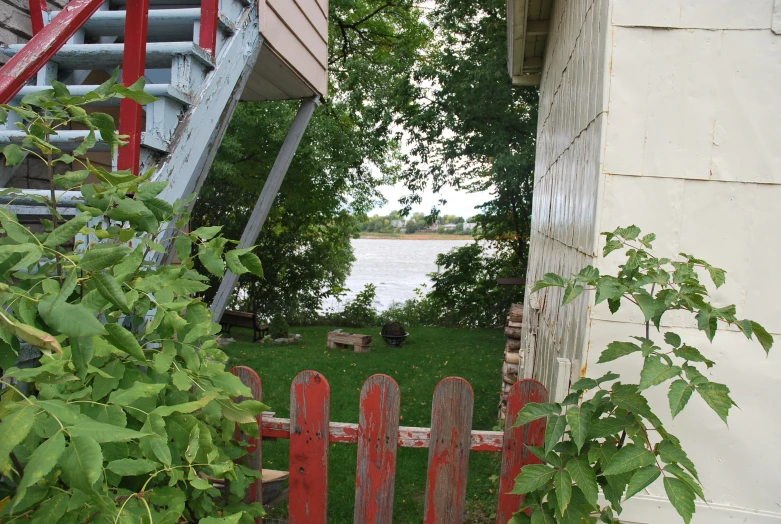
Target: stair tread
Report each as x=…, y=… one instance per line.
x=68, y=140
x=156, y=90
x=104, y=56
x=175, y=24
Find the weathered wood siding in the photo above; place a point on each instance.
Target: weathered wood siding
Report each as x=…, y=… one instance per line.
x=294, y=59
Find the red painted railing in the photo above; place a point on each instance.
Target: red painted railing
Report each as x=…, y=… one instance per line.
x=42, y=47
x=378, y=436
x=207, y=39
x=37, y=9
x=133, y=65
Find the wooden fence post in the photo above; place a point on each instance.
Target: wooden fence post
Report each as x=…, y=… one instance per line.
x=515, y=455
x=254, y=459
x=378, y=436
x=448, y=454
x=309, y=419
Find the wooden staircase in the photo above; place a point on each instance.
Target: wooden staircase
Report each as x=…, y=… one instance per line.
x=198, y=57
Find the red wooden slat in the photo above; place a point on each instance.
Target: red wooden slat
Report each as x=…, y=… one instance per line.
x=378, y=435
x=37, y=9
x=448, y=456
x=208, y=34
x=26, y=63
x=516, y=455
x=309, y=418
x=254, y=460
x=133, y=65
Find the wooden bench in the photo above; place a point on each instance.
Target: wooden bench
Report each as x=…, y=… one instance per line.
x=243, y=319
x=342, y=340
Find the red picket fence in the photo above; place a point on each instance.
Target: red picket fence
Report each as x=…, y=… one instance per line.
x=378, y=435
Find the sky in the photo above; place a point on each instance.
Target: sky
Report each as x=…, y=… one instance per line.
x=459, y=203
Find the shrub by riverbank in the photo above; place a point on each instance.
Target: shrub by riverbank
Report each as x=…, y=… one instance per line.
x=429, y=355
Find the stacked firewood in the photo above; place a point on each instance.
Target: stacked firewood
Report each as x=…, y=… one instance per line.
x=512, y=355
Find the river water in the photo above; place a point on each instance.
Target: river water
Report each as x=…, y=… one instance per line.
x=395, y=267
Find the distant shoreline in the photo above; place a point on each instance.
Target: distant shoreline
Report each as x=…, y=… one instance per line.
x=413, y=236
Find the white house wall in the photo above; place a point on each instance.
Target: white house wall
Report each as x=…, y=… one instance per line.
x=680, y=135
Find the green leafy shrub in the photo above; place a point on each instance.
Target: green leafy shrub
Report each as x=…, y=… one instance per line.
x=278, y=327
x=130, y=415
x=613, y=441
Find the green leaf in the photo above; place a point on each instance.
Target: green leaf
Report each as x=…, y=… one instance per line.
x=681, y=474
x=563, y=489
x=233, y=519
x=207, y=233
x=717, y=397
x=252, y=262
x=187, y=407
x=584, y=384
x=29, y=334
x=182, y=380
x=765, y=338
x=693, y=355
x=88, y=143
x=571, y=293
x=13, y=430
x=108, y=131
x=71, y=179
x=161, y=209
x=641, y=479
x=234, y=263
x=73, y=320
x=52, y=510
x=609, y=288
x=707, y=322
x=617, y=350
x=184, y=247
x=134, y=94
x=165, y=358
x=103, y=256
x=718, y=276
x=673, y=339
x=625, y=396
x=233, y=412
x=14, y=155
x=211, y=260
x=159, y=448
x=534, y=411
x=655, y=371
x=532, y=477
x=647, y=304
x=129, y=467
x=82, y=463
x=193, y=444
x=670, y=453
x=579, y=420
x=550, y=280
x=124, y=340
x=608, y=426
x=555, y=430
x=104, y=432
x=629, y=458
x=679, y=395
x=584, y=476
x=110, y=290
x=681, y=497
x=67, y=231
x=41, y=462
x=125, y=397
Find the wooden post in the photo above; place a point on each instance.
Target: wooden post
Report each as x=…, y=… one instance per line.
x=266, y=199
x=207, y=39
x=309, y=420
x=448, y=454
x=133, y=66
x=515, y=454
x=254, y=459
x=378, y=435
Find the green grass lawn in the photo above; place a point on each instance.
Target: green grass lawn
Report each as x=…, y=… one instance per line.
x=429, y=355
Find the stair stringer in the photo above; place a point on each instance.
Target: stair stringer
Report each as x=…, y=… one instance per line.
x=199, y=134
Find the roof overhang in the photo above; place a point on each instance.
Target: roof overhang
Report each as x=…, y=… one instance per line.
x=527, y=36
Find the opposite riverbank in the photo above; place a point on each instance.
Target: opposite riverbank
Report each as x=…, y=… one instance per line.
x=412, y=236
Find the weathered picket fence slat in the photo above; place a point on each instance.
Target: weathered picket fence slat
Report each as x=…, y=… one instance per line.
x=448, y=454
x=515, y=455
x=378, y=435
x=254, y=459
x=310, y=397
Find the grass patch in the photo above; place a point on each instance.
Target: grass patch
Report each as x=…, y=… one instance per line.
x=429, y=355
